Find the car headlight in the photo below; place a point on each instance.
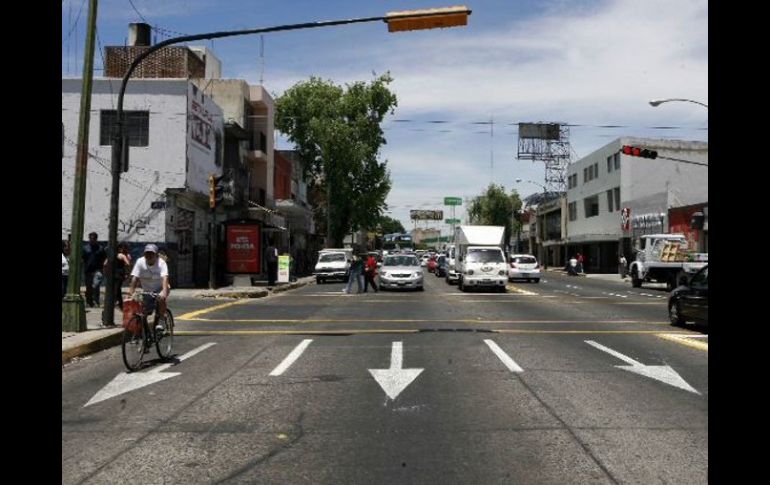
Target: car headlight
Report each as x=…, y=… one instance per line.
x=501, y=273
x=384, y=274
x=469, y=272
x=418, y=273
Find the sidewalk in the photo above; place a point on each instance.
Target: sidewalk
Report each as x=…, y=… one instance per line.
x=97, y=337
x=614, y=277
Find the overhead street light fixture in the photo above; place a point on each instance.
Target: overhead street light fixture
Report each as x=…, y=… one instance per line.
x=658, y=102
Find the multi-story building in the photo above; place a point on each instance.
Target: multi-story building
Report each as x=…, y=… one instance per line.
x=606, y=187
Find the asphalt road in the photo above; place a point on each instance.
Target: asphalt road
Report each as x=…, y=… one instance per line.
x=557, y=382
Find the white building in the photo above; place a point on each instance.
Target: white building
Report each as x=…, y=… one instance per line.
x=175, y=136
x=605, y=182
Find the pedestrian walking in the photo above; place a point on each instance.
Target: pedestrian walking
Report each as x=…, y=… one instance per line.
x=356, y=270
x=94, y=256
x=122, y=270
x=623, y=266
x=272, y=264
x=580, y=263
x=370, y=272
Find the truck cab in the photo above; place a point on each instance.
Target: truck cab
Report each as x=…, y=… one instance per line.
x=480, y=260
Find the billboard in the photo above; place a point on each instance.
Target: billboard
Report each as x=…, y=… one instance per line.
x=426, y=215
x=542, y=131
x=243, y=252
x=205, y=132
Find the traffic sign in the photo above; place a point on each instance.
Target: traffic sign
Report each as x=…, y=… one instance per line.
x=452, y=221
x=453, y=201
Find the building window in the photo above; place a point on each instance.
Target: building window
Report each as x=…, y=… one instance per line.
x=617, y=197
x=573, y=211
x=596, y=170
x=137, y=127
x=591, y=205
x=585, y=175
x=609, y=200
x=617, y=161
x=609, y=164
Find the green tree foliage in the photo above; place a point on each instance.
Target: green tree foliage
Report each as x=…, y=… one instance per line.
x=336, y=131
x=496, y=208
x=388, y=225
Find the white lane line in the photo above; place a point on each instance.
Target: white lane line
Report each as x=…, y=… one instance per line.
x=289, y=360
x=506, y=360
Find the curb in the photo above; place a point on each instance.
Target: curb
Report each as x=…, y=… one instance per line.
x=95, y=345
x=253, y=293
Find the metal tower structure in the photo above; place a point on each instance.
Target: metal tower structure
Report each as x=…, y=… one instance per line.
x=548, y=143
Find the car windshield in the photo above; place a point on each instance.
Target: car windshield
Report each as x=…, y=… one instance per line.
x=702, y=278
x=330, y=258
x=485, y=256
x=401, y=261
x=524, y=260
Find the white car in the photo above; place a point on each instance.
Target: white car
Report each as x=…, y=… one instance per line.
x=401, y=271
x=331, y=265
x=523, y=267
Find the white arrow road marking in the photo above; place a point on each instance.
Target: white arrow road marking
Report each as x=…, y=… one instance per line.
x=505, y=358
x=395, y=379
x=289, y=360
x=661, y=373
x=126, y=382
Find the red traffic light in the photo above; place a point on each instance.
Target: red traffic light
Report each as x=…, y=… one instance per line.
x=638, y=152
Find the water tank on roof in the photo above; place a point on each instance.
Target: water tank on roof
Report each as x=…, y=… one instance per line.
x=139, y=34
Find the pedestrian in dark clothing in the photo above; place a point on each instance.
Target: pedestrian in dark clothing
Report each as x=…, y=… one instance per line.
x=580, y=263
x=122, y=270
x=370, y=271
x=272, y=264
x=94, y=256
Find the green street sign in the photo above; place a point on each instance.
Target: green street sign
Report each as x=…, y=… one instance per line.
x=453, y=201
x=452, y=221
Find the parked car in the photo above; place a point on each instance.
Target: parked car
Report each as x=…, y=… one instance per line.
x=523, y=267
x=441, y=266
x=690, y=300
x=401, y=271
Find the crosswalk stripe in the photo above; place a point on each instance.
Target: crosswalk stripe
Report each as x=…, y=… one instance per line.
x=289, y=360
x=504, y=358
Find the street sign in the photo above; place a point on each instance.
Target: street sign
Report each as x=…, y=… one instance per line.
x=453, y=201
x=452, y=221
x=283, y=268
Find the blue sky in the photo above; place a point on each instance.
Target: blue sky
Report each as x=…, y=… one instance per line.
x=576, y=61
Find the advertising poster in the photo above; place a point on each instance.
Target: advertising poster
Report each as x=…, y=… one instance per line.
x=243, y=252
x=283, y=268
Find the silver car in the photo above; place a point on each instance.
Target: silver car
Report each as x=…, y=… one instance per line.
x=523, y=267
x=401, y=271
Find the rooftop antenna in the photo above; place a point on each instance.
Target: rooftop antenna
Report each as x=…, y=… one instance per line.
x=262, y=60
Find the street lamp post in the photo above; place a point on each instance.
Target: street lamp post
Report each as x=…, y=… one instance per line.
x=397, y=22
x=658, y=102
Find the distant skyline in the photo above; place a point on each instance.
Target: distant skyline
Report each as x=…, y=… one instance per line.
x=589, y=63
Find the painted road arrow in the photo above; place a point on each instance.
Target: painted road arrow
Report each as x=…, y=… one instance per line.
x=395, y=379
x=661, y=373
x=126, y=382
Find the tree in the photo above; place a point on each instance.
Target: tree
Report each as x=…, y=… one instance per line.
x=496, y=208
x=337, y=134
x=388, y=225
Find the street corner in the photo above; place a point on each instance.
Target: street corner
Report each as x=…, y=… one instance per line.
x=693, y=340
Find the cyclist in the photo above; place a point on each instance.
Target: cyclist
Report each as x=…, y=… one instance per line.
x=152, y=272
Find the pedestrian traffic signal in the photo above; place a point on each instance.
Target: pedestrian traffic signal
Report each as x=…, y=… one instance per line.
x=638, y=152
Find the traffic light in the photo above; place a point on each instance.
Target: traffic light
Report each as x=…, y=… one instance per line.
x=216, y=190
x=638, y=152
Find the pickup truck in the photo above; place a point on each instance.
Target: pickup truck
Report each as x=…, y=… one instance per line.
x=333, y=264
x=664, y=258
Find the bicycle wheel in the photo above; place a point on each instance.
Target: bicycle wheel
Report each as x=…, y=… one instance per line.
x=164, y=343
x=134, y=345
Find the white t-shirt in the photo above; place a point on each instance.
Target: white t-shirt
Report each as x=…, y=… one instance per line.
x=151, y=277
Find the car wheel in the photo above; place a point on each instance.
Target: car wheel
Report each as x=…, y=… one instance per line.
x=635, y=281
x=319, y=281
x=675, y=314
x=536, y=280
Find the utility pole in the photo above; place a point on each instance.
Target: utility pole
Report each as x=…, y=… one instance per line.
x=73, y=310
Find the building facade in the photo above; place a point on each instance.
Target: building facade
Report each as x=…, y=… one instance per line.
x=614, y=199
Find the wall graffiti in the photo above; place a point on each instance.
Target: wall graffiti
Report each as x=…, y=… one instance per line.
x=136, y=226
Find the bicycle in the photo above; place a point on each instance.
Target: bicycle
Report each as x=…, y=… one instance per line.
x=138, y=336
